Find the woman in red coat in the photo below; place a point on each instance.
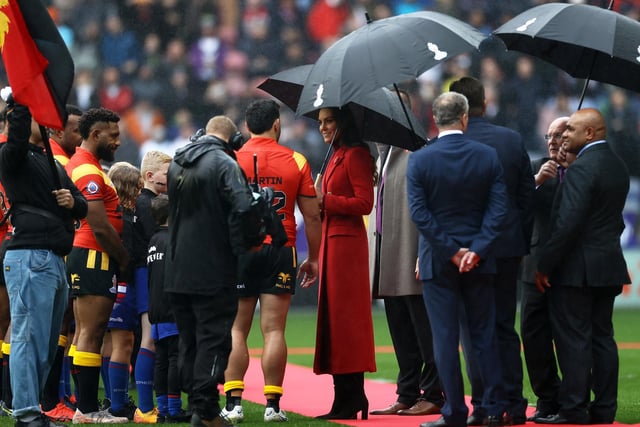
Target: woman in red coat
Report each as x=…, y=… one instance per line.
x=344, y=338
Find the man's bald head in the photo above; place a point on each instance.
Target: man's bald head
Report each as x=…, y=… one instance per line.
x=584, y=127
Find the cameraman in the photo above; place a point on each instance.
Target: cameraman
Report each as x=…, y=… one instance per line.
x=43, y=216
x=213, y=218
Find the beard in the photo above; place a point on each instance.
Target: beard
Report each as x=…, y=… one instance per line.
x=104, y=153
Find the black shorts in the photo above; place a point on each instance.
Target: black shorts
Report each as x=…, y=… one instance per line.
x=92, y=273
x=269, y=271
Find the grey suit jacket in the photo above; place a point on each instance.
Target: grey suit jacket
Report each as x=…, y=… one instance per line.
x=399, y=239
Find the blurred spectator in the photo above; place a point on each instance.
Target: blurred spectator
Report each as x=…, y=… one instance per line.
x=141, y=120
x=206, y=55
x=623, y=139
x=521, y=97
x=66, y=31
x=181, y=128
x=157, y=142
x=265, y=52
x=119, y=47
x=113, y=94
x=146, y=84
x=408, y=6
x=84, y=93
x=174, y=58
x=181, y=93
x=152, y=55
x=171, y=20
x=142, y=16
x=326, y=21
x=85, y=51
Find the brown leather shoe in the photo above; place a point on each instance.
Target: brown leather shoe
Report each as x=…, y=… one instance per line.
x=390, y=410
x=421, y=407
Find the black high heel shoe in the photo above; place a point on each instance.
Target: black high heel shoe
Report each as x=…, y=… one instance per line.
x=349, y=398
x=348, y=410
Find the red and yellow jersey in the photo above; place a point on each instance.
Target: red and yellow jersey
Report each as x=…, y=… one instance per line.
x=283, y=169
x=4, y=204
x=58, y=152
x=87, y=174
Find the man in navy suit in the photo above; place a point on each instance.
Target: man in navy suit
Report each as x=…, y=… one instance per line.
x=458, y=201
x=582, y=268
x=510, y=246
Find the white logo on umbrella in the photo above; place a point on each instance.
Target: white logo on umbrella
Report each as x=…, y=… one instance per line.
x=439, y=54
x=526, y=25
x=319, y=101
x=638, y=57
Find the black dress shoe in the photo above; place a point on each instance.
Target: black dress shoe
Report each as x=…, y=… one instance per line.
x=515, y=420
x=560, y=419
x=41, y=421
x=495, y=421
x=539, y=414
x=441, y=423
x=476, y=420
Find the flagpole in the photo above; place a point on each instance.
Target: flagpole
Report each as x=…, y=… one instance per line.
x=52, y=163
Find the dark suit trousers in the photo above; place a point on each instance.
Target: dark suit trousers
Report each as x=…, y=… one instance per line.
x=413, y=345
x=444, y=297
x=587, y=352
x=204, y=322
x=505, y=292
x=539, y=350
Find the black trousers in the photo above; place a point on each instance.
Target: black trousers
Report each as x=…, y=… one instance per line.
x=166, y=377
x=539, y=350
x=581, y=318
x=413, y=345
x=204, y=322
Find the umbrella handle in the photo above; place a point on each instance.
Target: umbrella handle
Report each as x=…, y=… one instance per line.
x=318, y=180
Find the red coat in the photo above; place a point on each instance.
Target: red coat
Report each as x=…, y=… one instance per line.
x=344, y=337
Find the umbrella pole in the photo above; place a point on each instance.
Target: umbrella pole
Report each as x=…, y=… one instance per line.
x=324, y=162
x=50, y=160
x=406, y=114
x=586, y=83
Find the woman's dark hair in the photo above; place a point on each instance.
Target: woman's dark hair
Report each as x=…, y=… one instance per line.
x=350, y=136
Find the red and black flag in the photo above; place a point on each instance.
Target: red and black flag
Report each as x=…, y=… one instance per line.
x=38, y=64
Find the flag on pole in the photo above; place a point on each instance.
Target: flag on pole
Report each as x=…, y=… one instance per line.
x=38, y=64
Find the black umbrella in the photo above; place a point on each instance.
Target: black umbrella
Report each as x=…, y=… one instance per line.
x=586, y=41
x=383, y=52
x=379, y=114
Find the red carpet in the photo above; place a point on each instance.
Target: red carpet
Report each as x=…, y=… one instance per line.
x=308, y=394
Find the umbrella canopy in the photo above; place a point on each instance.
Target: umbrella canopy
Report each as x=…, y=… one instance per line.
x=379, y=115
x=383, y=52
x=585, y=41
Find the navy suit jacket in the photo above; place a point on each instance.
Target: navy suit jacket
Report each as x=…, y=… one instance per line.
x=514, y=239
x=457, y=198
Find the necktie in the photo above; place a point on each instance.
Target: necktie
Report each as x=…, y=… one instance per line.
x=561, y=172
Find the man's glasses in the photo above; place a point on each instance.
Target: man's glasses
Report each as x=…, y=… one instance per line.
x=553, y=136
